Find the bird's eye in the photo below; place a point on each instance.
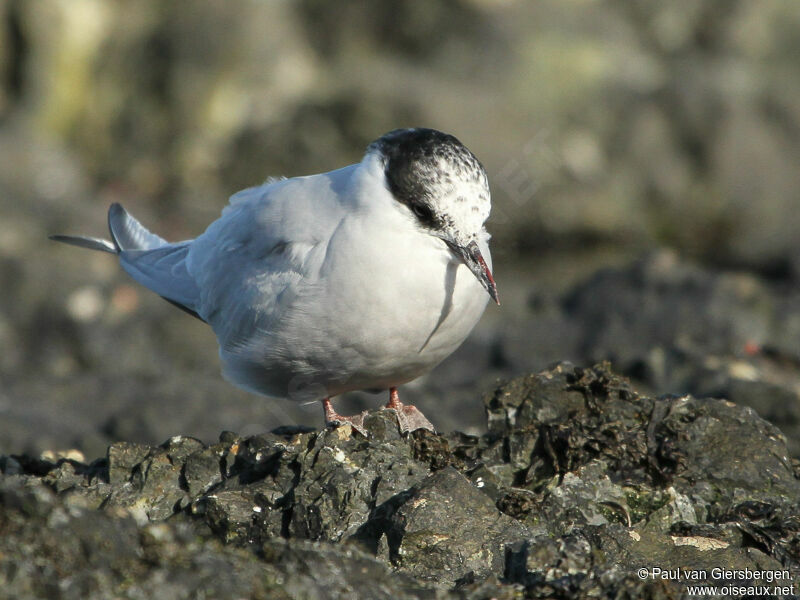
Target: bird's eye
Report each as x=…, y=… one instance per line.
x=423, y=212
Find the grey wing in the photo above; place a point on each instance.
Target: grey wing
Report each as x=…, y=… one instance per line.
x=163, y=270
x=246, y=271
x=256, y=263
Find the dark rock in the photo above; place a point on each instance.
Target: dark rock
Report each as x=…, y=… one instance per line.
x=321, y=570
x=202, y=471
x=579, y=482
x=662, y=301
x=576, y=417
x=342, y=479
x=678, y=327
x=446, y=529
x=52, y=550
x=122, y=457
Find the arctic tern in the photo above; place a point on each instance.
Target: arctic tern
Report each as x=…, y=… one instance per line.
x=365, y=277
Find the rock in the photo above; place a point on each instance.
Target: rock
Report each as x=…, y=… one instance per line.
x=446, y=530
x=624, y=475
x=320, y=570
x=49, y=550
x=664, y=301
x=122, y=457
x=574, y=417
x=678, y=327
x=579, y=482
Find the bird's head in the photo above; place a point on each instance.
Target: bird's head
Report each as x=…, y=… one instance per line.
x=445, y=189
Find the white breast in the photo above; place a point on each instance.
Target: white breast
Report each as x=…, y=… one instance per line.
x=378, y=303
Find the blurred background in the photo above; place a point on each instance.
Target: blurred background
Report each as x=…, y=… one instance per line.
x=643, y=157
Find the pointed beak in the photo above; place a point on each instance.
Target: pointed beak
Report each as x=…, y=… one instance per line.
x=472, y=257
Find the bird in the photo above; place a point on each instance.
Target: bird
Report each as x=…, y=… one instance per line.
x=361, y=278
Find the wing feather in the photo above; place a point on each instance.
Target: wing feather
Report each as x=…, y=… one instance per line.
x=163, y=270
x=261, y=255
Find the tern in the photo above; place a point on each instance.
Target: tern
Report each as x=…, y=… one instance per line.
x=362, y=278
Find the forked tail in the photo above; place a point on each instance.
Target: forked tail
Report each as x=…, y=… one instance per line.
x=126, y=234
x=149, y=259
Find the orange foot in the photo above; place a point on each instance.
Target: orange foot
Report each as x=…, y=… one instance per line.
x=409, y=417
x=334, y=419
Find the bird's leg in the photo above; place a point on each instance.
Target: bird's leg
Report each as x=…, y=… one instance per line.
x=334, y=419
x=394, y=399
x=409, y=417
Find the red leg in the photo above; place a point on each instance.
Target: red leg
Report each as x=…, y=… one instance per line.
x=334, y=419
x=408, y=416
x=394, y=399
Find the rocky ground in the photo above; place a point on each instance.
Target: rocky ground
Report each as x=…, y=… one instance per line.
x=579, y=482
x=608, y=133
x=671, y=325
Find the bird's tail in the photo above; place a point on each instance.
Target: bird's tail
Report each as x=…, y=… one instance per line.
x=149, y=259
x=126, y=234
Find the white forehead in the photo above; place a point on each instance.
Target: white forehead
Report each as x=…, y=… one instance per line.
x=461, y=197
x=425, y=168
